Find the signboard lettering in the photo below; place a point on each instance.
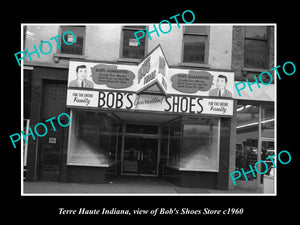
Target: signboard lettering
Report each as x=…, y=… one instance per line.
x=162, y=66
x=145, y=67
x=183, y=104
x=152, y=71
x=150, y=77
x=82, y=98
x=116, y=100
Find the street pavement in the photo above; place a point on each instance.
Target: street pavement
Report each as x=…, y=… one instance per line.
x=123, y=186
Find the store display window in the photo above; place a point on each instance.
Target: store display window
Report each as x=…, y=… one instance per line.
x=93, y=139
x=194, y=144
x=200, y=146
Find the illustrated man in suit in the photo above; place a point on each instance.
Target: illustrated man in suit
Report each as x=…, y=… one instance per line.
x=81, y=81
x=221, y=90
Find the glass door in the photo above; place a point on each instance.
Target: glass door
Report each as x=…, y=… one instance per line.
x=140, y=155
x=140, y=152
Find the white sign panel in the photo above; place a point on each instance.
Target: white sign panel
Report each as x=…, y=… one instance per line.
x=149, y=102
x=201, y=82
x=85, y=98
x=102, y=76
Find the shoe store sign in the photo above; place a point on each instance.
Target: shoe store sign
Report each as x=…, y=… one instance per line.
x=150, y=86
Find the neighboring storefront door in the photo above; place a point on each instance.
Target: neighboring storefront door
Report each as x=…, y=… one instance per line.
x=50, y=154
x=50, y=146
x=140, y=151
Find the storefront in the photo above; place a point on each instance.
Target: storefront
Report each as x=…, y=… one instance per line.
x=149, y=120
x=255, y=137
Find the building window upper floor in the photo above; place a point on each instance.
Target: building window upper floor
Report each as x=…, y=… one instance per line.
x=195, y=44
x=256, y=47
x=129, y=45
x=239, y=48
x=77, y=48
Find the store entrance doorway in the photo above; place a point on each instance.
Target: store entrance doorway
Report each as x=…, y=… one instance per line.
x=142, y=146
x=140, y=150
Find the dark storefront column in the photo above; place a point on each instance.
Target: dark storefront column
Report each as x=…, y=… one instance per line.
x=223, y=174
x=227, y=151
x=232, y=150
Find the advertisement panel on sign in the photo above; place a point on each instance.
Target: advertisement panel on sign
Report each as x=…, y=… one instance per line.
x=152, y=72
x=102, y=76
x=199, y=82
x=151, y=75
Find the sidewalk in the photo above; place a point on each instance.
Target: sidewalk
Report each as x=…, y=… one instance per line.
x=123, y=185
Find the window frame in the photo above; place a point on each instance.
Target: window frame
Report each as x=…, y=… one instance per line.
x=127, y=59
x=205, y=34
x=267, y=40
x=67, y=55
